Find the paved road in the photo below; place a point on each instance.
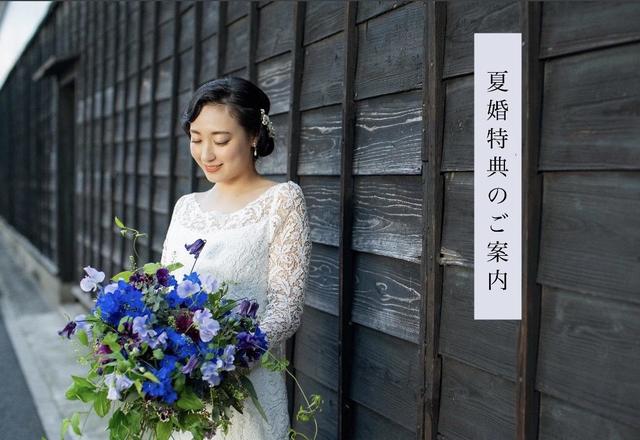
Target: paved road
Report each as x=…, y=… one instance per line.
x=18, y=416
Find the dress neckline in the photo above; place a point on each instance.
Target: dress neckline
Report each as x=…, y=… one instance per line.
x=227, y=214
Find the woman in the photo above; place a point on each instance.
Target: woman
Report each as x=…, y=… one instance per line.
x=256, y=232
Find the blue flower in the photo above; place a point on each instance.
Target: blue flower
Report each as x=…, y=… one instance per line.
x=208, y=326
x=117, y=383
x=126, y=300
x=227, y=358
x=181, y=345
x=210, y=371
x=187, y=288
x=164, y=389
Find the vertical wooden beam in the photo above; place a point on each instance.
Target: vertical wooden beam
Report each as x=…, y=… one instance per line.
x=125, y=128
x=136, y=181
x=252, y=22
x=297, y=67
x=173, y=145
x=82, y=146
x=97, y=243
x=91, y=145
x=112, y=158
x=345, y=294
x=527, y=397
x=432, y=214
x=197, y=56
x=152, y=131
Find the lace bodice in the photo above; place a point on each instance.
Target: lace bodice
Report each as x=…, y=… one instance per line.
x=265, y=249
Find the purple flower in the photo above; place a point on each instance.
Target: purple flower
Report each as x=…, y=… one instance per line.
x=228, y=358
x=195, y=247
x=188, y=288
x=208, y=326
x=191, y=364
x=248, y=308
x=210, y=371
x=163, y=276
x=117, y=383
x=69, y=329
x=209, y=282
x=90, y=282
x=146, y=333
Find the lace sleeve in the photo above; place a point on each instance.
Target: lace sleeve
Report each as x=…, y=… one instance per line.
x=289, y=256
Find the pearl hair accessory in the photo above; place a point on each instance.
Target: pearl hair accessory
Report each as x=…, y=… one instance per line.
x=266, y=121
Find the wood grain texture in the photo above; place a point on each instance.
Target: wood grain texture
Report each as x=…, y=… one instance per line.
x=487, y=345
x=457, y=229
x=475, y=405
x=590, y=110
x=387, y=295
x=468, y=17
x=327, y=426
x=388, y=137
x=589, y=240
x=275, y=30
x=321, y=196
x=385, y=375
x=590, y=353
x=322, y=285
x=560, y=420
x=387, y=216
x=390, y=52
x=316, y=348
x=320, y=134
x=322, y=77
x=569, y=27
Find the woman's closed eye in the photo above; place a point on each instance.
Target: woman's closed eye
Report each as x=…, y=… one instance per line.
x=217, y=143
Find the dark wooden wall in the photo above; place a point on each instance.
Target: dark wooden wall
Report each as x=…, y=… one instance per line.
x=371, y=102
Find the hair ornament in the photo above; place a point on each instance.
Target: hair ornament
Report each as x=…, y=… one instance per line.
x=267, y=121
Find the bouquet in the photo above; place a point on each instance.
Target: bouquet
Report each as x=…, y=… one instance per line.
x=165, y=355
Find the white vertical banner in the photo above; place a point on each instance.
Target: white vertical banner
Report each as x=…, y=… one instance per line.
x=497, y=176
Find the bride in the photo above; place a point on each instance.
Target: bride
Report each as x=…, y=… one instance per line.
x=256, y=232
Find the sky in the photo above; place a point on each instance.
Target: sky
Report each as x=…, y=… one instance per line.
x=20, y=22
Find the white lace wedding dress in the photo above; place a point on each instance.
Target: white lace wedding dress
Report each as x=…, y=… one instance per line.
x=265, y=247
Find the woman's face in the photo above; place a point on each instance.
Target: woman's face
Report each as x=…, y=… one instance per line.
x=218, y=139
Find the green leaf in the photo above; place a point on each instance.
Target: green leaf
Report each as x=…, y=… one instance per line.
x=149, y=375
x=151, y=268
x=63, y=428
x=119, y=223
x=174, y=266
x=163, y=430
x=125, y=274
x=75, y=423
x=83, y=382
x=82, y=337
x=117, y=424
x=254, y=397
x=134, y=420
x=189, y=400
x=158, y=353
x=102, y=405
x=111, y=339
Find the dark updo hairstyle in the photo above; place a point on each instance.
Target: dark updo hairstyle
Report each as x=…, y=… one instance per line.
x=244, y=100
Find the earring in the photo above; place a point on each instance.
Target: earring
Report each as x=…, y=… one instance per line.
x=255, y=151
